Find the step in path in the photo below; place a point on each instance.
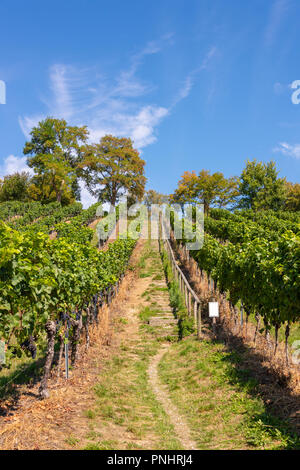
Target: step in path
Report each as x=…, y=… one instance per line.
x=164, y=319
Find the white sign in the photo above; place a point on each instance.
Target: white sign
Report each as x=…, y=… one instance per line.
x=213, y=309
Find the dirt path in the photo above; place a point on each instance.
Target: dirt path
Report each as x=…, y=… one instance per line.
x=181, y=428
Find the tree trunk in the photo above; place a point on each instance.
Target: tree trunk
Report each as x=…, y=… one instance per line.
x=206, y=207
x=113, y=199
x=286, y=348
x=51, y=331
x=276, y=339
x=59, y=193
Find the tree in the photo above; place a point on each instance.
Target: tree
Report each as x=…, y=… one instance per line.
x=114, y=168
x=153, y=197
x=42, y=190
x=208, y=189
x=56, y=149
x=260, y=188
x=292, y=202
x=15, y=187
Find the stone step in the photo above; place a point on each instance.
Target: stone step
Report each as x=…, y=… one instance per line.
x=164, y=314
x=165, y=317
x=163, y=298
x=163, y=303
x=164, y=310
x=162, y=322
x=167, y=335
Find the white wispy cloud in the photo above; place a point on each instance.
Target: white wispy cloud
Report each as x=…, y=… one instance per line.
x=291, y=150
x=277, y=15
x=120, y=105
x=28, y=122
x=84, y=96
x=13, y=164
x=189, y=81
x=61, y=78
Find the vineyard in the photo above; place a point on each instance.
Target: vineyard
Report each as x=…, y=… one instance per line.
x=53, y=286
x=56, y=277
x=255, y=263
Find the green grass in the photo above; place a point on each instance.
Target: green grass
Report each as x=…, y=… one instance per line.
x=23, y=370
x=102, y=445
x=220, y=399
x=146, y=313
x=72, y=441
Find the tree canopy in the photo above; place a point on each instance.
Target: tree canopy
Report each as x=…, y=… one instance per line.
x=208, y=189
x=260, y=188
x=154, y=197
x=55, y=150
x=15, y=187
x=113, y=168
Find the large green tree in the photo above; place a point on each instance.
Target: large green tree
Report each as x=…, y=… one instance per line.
x=113, y=168
x=260, y=188
x=206, y=188
x=15, y=187
x=55, y=150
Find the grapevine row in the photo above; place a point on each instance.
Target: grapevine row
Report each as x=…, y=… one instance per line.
x=43, y=280
x=259, y=271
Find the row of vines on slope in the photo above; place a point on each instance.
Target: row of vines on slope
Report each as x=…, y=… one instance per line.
x=52, y=285
x=262, y=272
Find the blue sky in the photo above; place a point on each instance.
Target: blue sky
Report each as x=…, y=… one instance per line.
x=196, y=83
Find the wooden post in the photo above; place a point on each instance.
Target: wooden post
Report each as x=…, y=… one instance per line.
x=195, y=313
x=188, y=301
x=199, y=325
x=214, y=325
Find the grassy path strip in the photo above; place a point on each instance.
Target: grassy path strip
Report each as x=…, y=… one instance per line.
x=162, y=394
x=127, y=413
x=220, y=400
